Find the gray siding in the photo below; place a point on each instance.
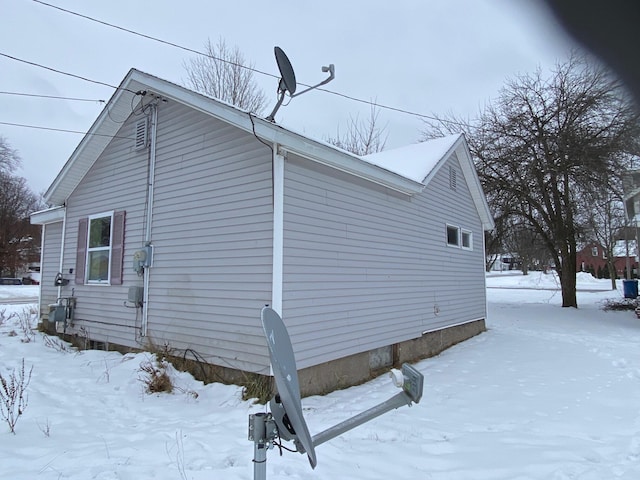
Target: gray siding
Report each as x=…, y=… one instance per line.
x=211, y=230
x=116, y=182
x=50, y=263
x=366, y=267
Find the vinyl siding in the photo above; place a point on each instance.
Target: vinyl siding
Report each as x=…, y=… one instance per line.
x=211, y=231
x=213, y=240
x=116, y=182
x=366, y=267
x=49, y=265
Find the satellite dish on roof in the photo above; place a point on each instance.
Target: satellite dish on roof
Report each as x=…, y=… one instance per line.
x=287, y=81
x=287, y=76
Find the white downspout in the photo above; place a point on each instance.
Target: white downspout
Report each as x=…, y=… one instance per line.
x=149, y=214
x=61, y=263
x=278, y=230
x=43, y=232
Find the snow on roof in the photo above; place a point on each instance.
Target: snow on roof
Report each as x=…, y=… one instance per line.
x=414, y=161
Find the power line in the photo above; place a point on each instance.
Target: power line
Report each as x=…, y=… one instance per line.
x=52, y=96
x=133, y=32
x=38, y=127
x=187, y=49
x=64, y=73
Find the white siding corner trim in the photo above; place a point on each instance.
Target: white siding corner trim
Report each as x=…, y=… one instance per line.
x=278, y=230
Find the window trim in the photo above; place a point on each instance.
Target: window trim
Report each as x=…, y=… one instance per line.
x=88, y=250
x=460, y=235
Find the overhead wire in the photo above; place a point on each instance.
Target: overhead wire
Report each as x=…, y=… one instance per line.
x=56, y=97
x=80, y=77
x=38, y=127
x=133, y=32
x=197, y=52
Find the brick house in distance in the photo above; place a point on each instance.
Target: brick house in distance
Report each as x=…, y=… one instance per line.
x=592, y=258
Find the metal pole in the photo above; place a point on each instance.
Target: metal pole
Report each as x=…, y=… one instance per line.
x=258, y=433
x=263, y=432
x=394, y=402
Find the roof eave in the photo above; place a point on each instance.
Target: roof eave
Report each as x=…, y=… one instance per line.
x=50, y=215
x=119, y=106
x=471, y=177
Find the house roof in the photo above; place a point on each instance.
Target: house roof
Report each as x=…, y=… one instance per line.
x=421, y=161
x=406, y=170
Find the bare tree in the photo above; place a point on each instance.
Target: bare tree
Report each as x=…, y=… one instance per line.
x=604, y=219
x=9, y=159
x=546, y=140
x=362, y=137
x=223, y=73
x=17, y=201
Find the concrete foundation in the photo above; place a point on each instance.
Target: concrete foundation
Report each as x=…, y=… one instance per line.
x=361, y=367
x=330, y=376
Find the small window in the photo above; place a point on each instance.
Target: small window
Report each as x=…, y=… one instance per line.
x=594, y=251
x=467, y=240
x=453, y=236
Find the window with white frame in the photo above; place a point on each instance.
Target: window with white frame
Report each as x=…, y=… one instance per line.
x=99, y=248
x=467, y=239
x=453, y=236
x=458, y=237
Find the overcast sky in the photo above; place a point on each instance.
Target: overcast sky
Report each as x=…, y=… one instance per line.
x=424, y=56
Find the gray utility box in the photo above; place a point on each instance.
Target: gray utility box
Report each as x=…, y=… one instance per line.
x=135, y=296
x=57, y=313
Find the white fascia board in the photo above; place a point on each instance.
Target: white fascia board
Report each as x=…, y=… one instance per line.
x=477, y=193
x=354, y=166
x=50, y=215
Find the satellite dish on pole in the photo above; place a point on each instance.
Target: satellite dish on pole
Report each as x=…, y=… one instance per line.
x=286, y=420
x=287, y=81
x=285, y=374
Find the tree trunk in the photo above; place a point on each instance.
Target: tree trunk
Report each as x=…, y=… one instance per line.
x=612, y=275
x=568, y=279
x=568, y=287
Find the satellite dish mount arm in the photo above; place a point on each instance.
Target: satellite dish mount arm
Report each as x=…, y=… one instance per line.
x=332, y=74
x=287, y=81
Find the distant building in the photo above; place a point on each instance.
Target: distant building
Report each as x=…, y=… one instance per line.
x=592, y=258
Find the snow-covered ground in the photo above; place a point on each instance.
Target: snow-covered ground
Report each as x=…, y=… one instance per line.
x=17, y=292
x=545, y=393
